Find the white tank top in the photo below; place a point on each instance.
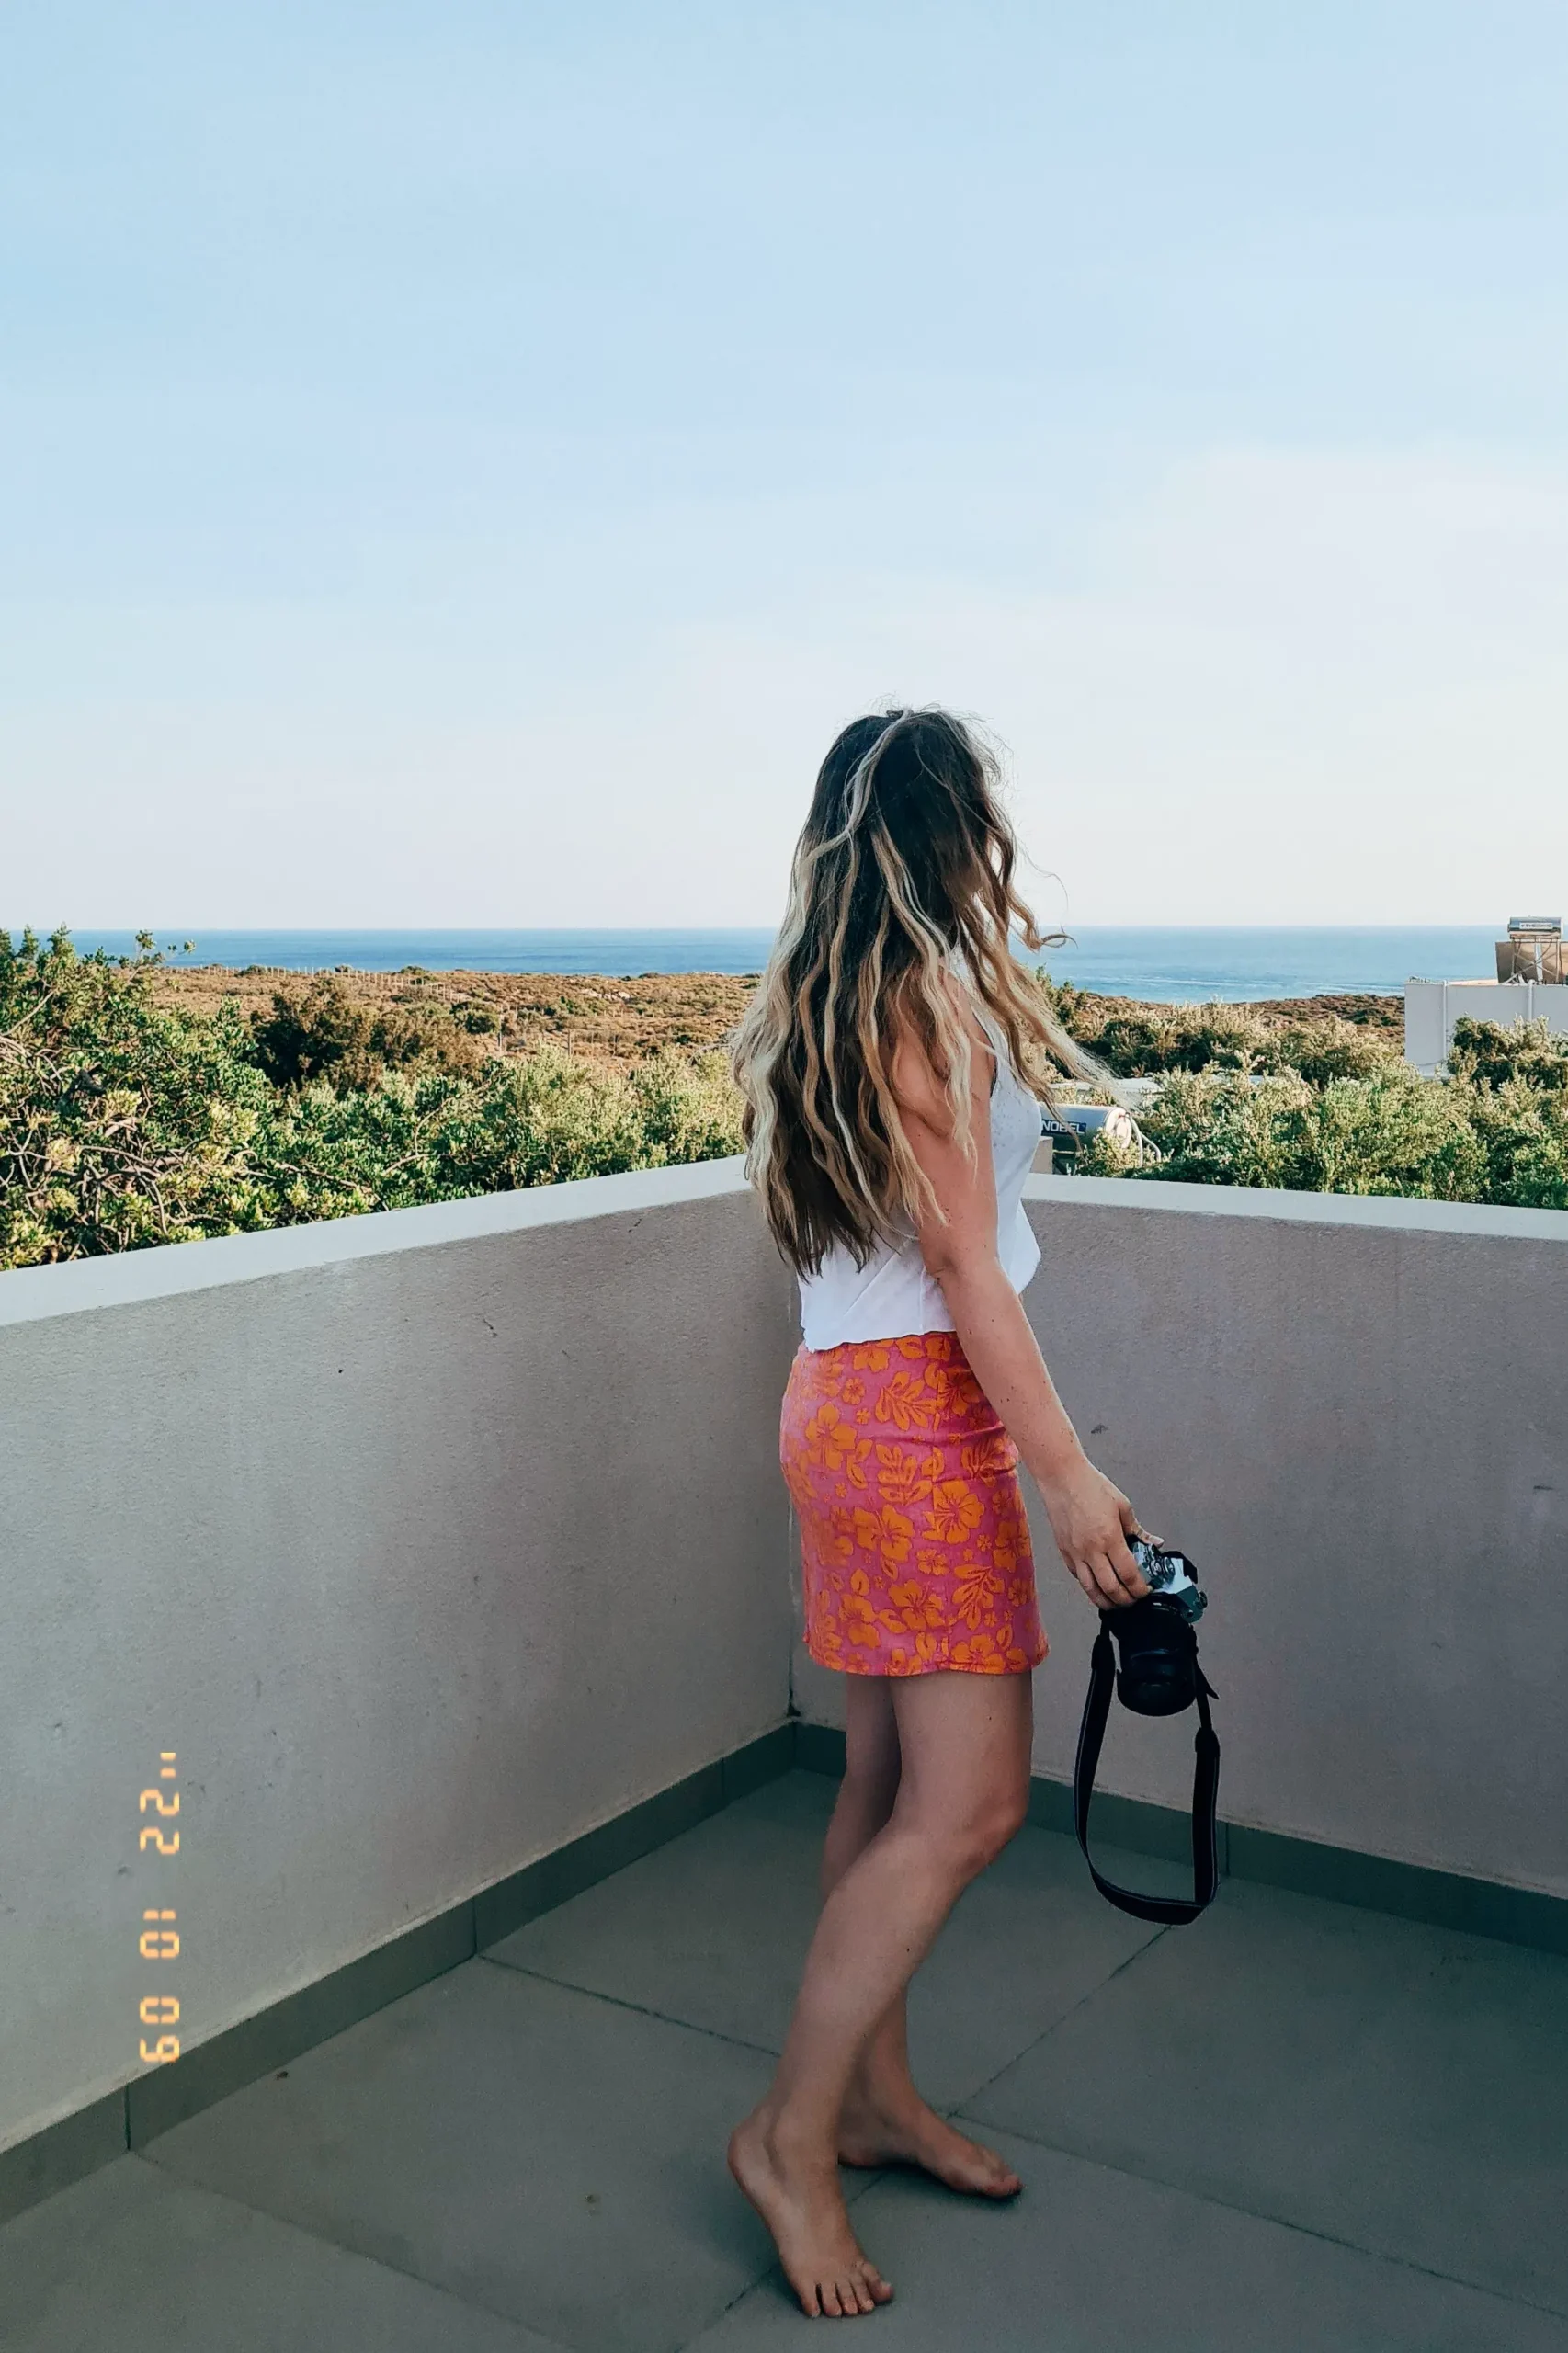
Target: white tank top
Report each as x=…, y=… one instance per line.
x=893, y=1293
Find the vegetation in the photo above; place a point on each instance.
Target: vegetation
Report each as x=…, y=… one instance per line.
x=125, y=1120
x=1351, y=1117
x=1342, y=1037
x=621, y=1018
x=133, y=1111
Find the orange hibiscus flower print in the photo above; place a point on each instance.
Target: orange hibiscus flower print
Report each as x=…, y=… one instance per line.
x=959, y=1395
x=836, y=1444
x=906, y=1402
x=974, y=1593
x=917, y=1606
x=980, y=1655
x=988, y=1458
x=954, y=1511
x=914, y=1551
x=903, y=1476
x=859, y=1612
x=839, y=1533
x=1011, y=1543
x=886, y=1532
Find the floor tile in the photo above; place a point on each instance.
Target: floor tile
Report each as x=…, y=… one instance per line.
x=1088, y=2261
x=538, y=2152
x=1397, y=2086
x=713, y=1929
x=133, y=2259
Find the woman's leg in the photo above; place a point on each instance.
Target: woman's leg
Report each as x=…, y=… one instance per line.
x=963, y=1790
x=885, y=2120
x=872, y=1763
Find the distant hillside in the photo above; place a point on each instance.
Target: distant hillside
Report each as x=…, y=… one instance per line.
x=622, y=1021
x=612, y=1019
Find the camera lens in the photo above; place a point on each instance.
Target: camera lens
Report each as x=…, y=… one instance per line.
x=1156, y=1675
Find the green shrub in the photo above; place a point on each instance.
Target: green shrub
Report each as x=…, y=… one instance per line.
x=1147, y=1041
x=1394, y=1132
x=123, y=1123
x=544, y=1118
x=1140, y=1040
x=1515, y=1083
x=1321, y=1050
x=315, y=1031
x=1495, y=1129
x=1484, y=1053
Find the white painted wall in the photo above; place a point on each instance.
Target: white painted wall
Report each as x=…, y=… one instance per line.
x=1353, y=1413
x=426, y=1540
x=1432, y=1007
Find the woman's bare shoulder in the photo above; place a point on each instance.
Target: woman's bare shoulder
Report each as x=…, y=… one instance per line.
x=917, y=1085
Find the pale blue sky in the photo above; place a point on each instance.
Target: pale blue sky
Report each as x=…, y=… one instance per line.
x=460, y=463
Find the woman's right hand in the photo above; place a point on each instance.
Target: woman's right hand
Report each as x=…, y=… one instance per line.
x=1091, y=1520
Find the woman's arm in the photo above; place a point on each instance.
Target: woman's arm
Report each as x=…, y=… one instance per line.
x=1090, y=1518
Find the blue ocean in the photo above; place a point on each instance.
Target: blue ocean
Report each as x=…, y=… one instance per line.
x=1172, y=965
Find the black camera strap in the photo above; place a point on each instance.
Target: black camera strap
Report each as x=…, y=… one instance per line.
x=1167, y=1911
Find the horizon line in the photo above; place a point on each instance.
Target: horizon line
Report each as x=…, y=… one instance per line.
x=687, y=930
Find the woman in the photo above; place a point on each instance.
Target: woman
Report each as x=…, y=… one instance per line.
x=887, y=1063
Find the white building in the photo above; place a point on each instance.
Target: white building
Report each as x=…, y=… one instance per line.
x=1529, y=987
x=1432, y=1007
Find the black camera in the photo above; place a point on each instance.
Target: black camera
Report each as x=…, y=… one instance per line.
x=1157, y=1650
x=1147, y=1652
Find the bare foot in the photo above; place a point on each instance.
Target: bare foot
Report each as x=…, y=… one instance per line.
x=879, y=2133
x=803, y=2207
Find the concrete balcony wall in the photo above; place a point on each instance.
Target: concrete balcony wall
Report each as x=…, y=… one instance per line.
x=427, y=1542
x=1354, y=1415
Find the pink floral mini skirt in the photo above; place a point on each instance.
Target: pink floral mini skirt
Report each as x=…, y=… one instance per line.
x=914, y=1546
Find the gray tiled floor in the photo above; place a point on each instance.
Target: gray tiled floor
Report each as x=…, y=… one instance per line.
x=713, y=1929
x=1293, y=2126
x=133, y=2260
x=1396, y=2087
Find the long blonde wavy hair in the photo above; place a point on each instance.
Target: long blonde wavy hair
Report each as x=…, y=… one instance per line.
x=902, y=875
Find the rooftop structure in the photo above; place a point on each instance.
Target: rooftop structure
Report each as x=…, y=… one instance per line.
x=444, y=1553
x=1532, y=950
